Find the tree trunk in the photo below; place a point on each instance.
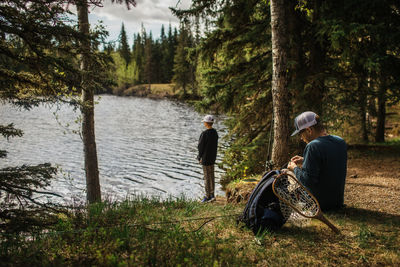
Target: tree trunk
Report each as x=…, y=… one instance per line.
x=380, y=125
x=363, y=118
x=363, y=107
x=280, y=92
x=87, y=109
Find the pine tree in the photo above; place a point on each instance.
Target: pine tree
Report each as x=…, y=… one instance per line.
x=20, y=211
x=138, y=56
x=37, y=64
x=363, y=69
x=280, y=81
x=87, y=109
x=109, y=48
x=162, y=34
x=235, y=69
x=123, y=49
x=164, y=57
x=182, y=73
x=170, y=54
x=149, y=64
x=40, y=61
x=157, y=62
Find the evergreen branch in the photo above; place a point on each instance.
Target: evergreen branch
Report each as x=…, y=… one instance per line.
x=30, y=190
x=3, y=154
x=9, y=131
x=27, y=198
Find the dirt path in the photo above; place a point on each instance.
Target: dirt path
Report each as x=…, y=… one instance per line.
x=373, y=180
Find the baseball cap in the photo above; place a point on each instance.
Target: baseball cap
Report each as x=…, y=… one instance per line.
x=303, y=121
x=208, y=118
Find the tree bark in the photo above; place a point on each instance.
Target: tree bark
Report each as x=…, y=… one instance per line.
x=363, y=118
x=280, y=92
x=87, y=109
x=362, y=102
x=380, y=125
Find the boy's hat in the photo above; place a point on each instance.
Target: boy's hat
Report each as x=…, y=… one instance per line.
x=208, y=119
x=303, y=121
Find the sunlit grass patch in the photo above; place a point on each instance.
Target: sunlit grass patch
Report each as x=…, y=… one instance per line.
x=162, y=88
x=180, y=232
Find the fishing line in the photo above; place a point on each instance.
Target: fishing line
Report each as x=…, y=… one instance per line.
x=141, y=225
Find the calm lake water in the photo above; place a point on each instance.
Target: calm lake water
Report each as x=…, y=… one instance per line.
x=145, y=147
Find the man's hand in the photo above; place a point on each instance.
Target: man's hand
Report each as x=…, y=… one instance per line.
x=291, y=165
x=296, y=161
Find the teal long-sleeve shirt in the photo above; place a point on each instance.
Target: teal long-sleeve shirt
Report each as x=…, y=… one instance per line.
x=324, y=170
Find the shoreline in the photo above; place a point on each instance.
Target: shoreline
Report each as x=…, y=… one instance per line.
x=156, y=91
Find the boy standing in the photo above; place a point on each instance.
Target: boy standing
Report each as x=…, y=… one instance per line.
x=208, y=143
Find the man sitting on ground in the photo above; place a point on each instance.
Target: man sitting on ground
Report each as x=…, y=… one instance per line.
x=322, y=170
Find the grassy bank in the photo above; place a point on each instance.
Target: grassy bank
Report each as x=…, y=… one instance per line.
x=177, y=232
x=173, y=233
x=155, y=91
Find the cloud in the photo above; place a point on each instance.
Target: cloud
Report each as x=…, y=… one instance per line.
x=152, y=13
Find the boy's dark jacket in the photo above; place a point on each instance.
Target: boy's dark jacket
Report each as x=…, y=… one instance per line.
x=208, y=143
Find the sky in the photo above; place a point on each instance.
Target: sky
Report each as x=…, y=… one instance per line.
x=152, y=13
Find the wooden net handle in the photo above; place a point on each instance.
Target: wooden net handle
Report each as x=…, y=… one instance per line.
x=322, y=218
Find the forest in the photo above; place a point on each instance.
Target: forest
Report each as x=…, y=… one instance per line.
x=340, y=59
x=342, y=62
x=170, y=58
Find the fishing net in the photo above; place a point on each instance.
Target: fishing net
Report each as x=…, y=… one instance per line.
x=294, y=195
x=292, y=216
x=297, y=204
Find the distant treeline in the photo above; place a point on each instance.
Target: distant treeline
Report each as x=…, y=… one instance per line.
x=169, y=58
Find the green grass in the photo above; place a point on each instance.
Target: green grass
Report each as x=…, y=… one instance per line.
x=150, y=232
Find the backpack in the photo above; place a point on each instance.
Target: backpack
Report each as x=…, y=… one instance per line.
x=262, y=211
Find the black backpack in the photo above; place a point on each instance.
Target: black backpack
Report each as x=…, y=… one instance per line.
x=262, y=211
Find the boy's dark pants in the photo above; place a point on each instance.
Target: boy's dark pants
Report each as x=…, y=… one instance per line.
x=209, y=180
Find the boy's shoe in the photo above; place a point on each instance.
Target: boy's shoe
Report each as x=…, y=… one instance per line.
x=212, y=198
x=205, y=200
x=208, y=199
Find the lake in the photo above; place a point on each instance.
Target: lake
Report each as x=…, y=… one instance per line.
x=145, y=147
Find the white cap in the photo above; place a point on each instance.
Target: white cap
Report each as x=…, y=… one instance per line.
x=304, y=120
x=208, y=118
